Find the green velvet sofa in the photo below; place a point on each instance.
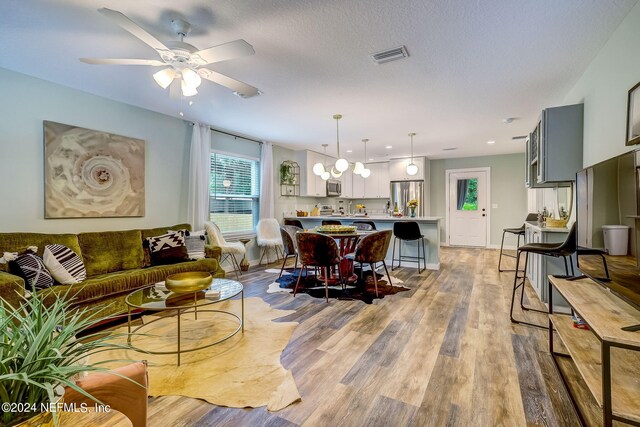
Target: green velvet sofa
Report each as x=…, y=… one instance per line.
x=114, y=261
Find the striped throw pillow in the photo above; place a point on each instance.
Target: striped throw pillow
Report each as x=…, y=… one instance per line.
x=33, y=270
x=65, y=265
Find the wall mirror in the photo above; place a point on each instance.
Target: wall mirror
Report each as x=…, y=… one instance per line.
x=633, y=116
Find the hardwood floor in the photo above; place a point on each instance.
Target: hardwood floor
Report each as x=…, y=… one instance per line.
x=444, y=353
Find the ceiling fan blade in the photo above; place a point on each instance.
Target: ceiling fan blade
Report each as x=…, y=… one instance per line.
x=127, y=24
x=112, y=61
x=224, y=52
x=242, y=89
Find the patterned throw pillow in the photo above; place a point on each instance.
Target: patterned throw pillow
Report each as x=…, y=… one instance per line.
x=33, y=270
x=65, y=265
x=167, y=249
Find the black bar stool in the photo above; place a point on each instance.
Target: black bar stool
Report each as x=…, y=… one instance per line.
x=557, y=250
x=371, y=223
x=518, y=232
x=407, y=230
x=294, y=222
x=331, y=222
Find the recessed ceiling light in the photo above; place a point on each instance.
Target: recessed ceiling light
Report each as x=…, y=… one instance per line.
x=349, y=151
x=389, y=147
x=491, y=142
x=371, y=158
x=450, y=149
x=508, y=120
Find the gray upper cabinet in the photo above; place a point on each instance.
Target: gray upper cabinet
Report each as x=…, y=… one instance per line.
x=554, y=147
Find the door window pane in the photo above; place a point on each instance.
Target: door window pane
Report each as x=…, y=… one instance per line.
x=467, y=194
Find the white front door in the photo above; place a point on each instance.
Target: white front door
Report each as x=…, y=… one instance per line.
x=468, y=208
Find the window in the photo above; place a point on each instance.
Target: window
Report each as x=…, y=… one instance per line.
x=468, y=194
x=235, y=193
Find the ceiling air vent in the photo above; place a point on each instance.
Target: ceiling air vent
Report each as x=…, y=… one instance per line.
x=390, y=55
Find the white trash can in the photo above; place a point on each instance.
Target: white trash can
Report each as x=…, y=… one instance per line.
x=616, y=239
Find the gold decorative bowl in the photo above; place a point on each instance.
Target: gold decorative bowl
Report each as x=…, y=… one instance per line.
x=556, y=223
x=182, y=283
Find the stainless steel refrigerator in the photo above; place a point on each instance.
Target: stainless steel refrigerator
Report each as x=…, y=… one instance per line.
x=403, y=191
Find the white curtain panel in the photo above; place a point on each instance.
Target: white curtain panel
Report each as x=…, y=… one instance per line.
x=267, y=196
x=198, y=197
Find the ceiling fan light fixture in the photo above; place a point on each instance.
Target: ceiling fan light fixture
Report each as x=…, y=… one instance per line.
x=191, y=78
x=188, y=90
x=164, y=77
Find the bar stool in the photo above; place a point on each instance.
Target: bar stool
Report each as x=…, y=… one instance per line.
x=295, y=222
x=407, y=230
x=371, y=223
x=331, y=222
x=518, y=232
x=556, y=250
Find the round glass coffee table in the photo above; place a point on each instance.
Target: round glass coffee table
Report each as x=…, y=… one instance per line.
x=154, y=298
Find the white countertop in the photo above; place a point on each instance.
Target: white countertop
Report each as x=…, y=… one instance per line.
x=370, y=218
x=534, y=224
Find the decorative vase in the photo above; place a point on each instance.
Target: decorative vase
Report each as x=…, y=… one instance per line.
x=413, y=212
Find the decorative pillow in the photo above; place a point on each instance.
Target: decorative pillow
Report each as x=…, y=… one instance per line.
x=195, y=246
x=65, y=265
x=167, y=249
x=33, y=270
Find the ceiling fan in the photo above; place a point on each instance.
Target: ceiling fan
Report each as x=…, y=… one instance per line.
x=184, y=72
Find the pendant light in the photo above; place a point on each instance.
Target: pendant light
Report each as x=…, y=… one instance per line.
x=325, y=174
x=359, y=166
x=412, y=168
x=365, y=171
x=341, y=164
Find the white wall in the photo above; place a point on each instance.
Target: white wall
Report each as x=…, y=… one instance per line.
x=604, y=87
x=27, y=101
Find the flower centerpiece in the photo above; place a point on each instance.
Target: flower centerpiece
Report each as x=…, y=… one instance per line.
x=412, y=205
x=40, y=354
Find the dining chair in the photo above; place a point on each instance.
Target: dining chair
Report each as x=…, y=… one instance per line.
x=372, y=249
x=288, y=233
x=317, y=250
x=228, y=250
x=363, y=226
x=331, y=222
x=371, y=223
x=124, y=389
x=268, y=237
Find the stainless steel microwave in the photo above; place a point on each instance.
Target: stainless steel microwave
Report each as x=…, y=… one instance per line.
x=334, y=188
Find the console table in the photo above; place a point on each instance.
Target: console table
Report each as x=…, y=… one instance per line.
x=612, y=377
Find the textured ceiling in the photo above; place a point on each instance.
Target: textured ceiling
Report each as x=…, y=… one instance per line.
x=471, y=64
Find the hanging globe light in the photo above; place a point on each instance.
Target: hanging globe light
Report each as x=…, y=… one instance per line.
x=357, y=169
x=341, y=164
x=318, y=169
x=365, y=171
x=412, y=168
x=325, y=175
x=335, y=173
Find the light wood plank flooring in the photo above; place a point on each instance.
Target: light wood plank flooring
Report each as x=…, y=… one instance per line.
x=444, y=353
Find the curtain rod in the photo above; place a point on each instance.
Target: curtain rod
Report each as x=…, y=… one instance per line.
x=233, y=135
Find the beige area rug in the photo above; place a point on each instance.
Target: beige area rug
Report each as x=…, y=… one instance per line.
x=244, y=371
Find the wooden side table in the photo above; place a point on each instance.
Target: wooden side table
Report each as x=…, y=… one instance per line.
x=244, y=264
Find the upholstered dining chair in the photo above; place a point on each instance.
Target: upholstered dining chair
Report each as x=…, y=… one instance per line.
x=359, y=221
x=268, y=238
x=124, y=389
x=372, y=249
x=288, y=233
x=229, y=250
x=317, y=250
x=295, y=222
x=331, y=222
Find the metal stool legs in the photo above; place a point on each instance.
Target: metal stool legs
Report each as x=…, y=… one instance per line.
x=419, y=242
x=516, y=285
x=502, y=251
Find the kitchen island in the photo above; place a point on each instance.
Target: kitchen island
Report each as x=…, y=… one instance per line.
x=429, y=225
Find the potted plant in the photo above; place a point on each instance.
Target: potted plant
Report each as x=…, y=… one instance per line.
x=40, y=354
x=412, y=205
x=287, y=173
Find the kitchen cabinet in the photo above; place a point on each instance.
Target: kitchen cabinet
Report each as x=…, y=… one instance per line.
x=398, y=169
x=554, y=147
x=377, y=185
x=358, y=184
x=310, y=184
x=347, y=183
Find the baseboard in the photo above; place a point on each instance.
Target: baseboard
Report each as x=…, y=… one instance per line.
x=507, y=247
x=413, y=264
